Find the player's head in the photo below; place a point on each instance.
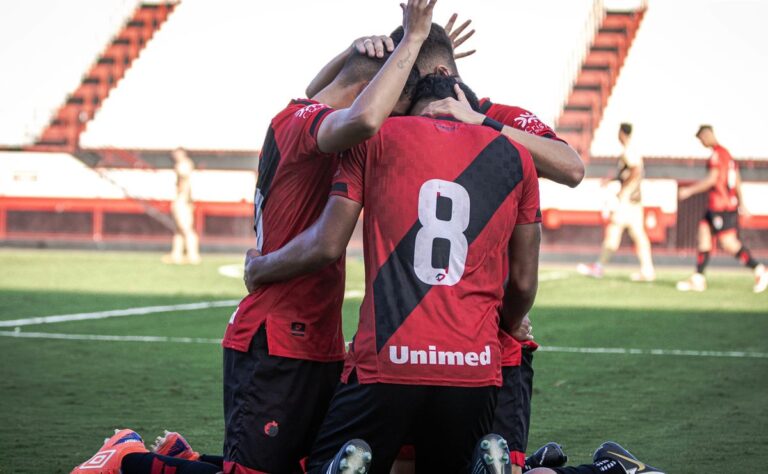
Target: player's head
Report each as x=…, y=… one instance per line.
x=706, y=136
x=434, y=87
x=436, y=54
x=359, y=69
x=625, y=131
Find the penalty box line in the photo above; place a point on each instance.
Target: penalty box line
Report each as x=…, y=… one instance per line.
x=572, y=350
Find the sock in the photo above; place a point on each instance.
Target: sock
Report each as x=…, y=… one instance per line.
x=702, y=259
x=601, y=466
x=746, y=258
x=217, y=461
x=151, y=463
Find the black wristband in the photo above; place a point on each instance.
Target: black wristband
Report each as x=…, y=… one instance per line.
x=496, y=125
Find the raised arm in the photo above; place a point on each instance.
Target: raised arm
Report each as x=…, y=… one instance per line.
x=319, y=245
x=372, y=46
x=347, y=127
x=523, y=281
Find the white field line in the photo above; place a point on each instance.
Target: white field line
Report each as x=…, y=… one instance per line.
x=656, y=352
x=580, y=350
x=100, y=337
x=61, y=318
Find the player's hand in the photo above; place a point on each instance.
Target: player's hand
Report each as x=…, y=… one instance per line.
x=459, y=109
x=744, y=212
x=373, y=46
x=456, y=39
x=250, y=255
x=417, y=18
x=684, y=193
x=525, y=331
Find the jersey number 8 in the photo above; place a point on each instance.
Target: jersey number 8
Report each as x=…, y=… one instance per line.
x=444, y=215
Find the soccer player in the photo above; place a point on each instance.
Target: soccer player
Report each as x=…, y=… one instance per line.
x=555, y=160
x=627, y=215
x=721, y=221
x=451, y=210
x=285, y=340
x=185, y=247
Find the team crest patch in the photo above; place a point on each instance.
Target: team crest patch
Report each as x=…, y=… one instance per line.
x=717, y=222
x=298, y=329
x=99, y=460
x=271, y=429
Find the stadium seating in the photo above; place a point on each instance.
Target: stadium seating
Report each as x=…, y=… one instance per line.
x=46, y=50
x=70, y=120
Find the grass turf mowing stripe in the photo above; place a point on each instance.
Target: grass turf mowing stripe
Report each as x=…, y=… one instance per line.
x=117, y=312
x=579, y=350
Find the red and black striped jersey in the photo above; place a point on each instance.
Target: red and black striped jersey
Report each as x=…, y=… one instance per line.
x=302, y=315
x=441, y=201
x=723, y=196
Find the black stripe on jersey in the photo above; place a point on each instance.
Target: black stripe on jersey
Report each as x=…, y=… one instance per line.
x=268, y=163
x=316, y=121
x=302, y=102
x=489, y=180
x=485, y=106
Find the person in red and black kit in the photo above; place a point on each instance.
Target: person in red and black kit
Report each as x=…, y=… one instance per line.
x=452, y=210
x=555, y=160
x=721, y=221
x=285, y=340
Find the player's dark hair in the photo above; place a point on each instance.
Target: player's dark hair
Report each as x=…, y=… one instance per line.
x=626, y=128
x=436, y=87
x=437, y=48
x=360, y=67
x=702, y=128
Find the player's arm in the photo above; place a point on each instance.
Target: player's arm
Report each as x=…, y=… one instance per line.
x=345, y=128
x=742, y=208
x=319, y=245
x=373, y=46
x=523, y=280
x=700, y=186
x=554, y=159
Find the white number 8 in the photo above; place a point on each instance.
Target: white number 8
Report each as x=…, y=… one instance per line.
x=451, y=230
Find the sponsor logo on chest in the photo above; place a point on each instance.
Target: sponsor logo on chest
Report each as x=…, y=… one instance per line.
x=432, y=356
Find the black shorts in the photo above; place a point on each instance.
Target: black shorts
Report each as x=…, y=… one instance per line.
x=512, y=418
x=722, y=221
x=444, y=422
x=273, y=407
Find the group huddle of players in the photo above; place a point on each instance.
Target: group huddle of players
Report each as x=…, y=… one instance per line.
x=438, y=377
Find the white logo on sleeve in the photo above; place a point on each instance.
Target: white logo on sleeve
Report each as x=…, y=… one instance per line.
x=404, y=355
x=308, y=110
x=526, y=119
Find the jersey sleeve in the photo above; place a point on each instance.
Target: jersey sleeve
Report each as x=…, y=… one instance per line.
x=520, y=119
x=349, y=180
x=305, y=124
x=529, y=207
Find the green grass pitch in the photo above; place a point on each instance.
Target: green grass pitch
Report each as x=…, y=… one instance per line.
x=686, y=414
